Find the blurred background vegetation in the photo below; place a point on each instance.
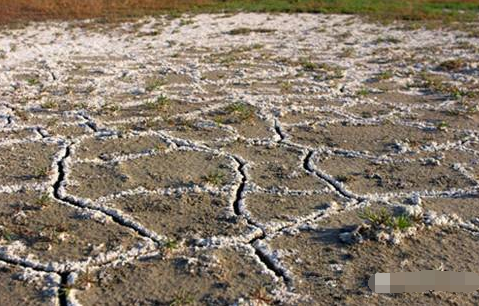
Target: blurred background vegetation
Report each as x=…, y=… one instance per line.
x=12, y=11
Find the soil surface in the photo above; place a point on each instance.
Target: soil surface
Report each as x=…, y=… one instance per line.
x=220, y=159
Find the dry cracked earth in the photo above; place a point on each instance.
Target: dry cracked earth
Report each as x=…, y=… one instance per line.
x=221, y=159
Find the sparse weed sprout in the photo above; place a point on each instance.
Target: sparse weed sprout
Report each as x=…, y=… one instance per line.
x=160, y=103
x=241, y=111
x=5, y=234
x=154, y=84
x=363, y=92
x=435, y=83
x=286, y=86
x=385, y=75
x=218, y=120
x=348, y=52
x=442, y=126
x=112, y=108
x=52, y=122
x=328, y=72
x=376, y=218
x=161, y=147
x=453, y=112
x=471, y=110
x=308, y=65
x=42, y=172
x=43, y=200
x=185, y=123
x=171, y=244
x=33, y=81
x=452, y=65
x=184, y=22
x=343, y=178
x=182, y=298
x=467, y=46
x=236, y=107
x=215, y=178
x=50, y=104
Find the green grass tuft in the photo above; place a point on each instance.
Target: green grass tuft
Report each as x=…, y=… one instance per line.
x=215, y=178
x=402, y=222
x=43, y=200
x=154, y=84
x=182, y=298
x=241, y=111
x=160, y=103
x=382, y=218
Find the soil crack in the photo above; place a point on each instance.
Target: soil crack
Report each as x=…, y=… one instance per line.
x=241, y=187
x=63, y=289
x=279, y=132
x=236, y=206
x=71, y=201
x=89, y=122
x=307, y=166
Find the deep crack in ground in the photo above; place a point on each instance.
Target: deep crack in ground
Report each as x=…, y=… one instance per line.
x=64, y=289
x=236, y=205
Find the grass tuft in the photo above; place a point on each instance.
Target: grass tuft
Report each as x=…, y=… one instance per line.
x=308, y=65
x=154, y=84
x=241, y=111
x=384, y=219
x=171, y=244
x=33, y=81
x=182, y=298
x=384, y=75
x=363, y=92
x=44, y=200
x=215, y=178
x=452, y=65
x=436, y=84
x=161, y=103
x=42, y=172
x=6, y=234
x=402, y=222
x=50, y=104
x=442, y=126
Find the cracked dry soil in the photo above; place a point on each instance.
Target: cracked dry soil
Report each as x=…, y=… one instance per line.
x=184, y=161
